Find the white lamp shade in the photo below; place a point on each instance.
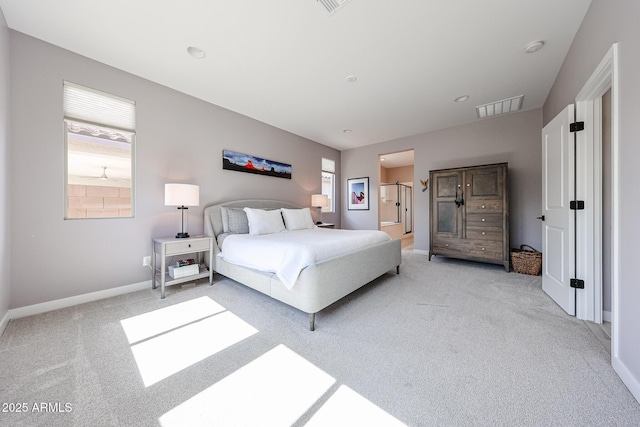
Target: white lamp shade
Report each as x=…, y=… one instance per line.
x=319, y=200
x=181, y=195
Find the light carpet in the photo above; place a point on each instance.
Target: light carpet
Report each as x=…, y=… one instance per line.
x=444, y=343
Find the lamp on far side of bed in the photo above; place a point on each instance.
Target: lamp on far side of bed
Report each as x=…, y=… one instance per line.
x=182, y=196
x=319, y=201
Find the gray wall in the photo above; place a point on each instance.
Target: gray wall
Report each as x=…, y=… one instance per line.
x=607, y=22
x=5, y=256
x=514, y=138
x=179, y=139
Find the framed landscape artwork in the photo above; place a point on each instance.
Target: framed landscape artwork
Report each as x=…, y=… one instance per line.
x=251, y=164
x=358, y=194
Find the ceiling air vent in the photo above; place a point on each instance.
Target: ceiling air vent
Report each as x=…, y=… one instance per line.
x=500, y=107
x=333, y=6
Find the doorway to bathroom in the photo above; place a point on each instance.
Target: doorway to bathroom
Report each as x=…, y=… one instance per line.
x=395, y=195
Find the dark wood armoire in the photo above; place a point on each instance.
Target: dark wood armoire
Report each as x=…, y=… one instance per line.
x=469, y=213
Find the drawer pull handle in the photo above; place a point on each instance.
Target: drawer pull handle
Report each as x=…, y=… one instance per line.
x=483, y=249
x=483, y=233
x=190, y=243
x=447, y=245
x=482, y=206
x=483, y=220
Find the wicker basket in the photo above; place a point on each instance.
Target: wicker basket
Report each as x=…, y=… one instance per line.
x=525, y=261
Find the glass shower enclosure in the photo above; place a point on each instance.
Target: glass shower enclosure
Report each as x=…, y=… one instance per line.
x=396, y=206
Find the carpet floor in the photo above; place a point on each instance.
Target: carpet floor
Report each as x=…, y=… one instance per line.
x=444, y=343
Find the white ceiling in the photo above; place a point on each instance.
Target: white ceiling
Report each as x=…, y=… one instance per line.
x=286, y=62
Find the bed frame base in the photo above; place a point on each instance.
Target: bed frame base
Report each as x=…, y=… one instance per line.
x=312, y=321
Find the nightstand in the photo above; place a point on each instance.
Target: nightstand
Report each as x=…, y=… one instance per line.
x=326, y=225
x=172, y=246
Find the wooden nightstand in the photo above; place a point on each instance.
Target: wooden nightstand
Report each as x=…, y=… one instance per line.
x=171, y=246
x=326, y=225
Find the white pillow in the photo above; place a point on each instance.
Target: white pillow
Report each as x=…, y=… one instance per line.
x=297, y=219
x=264, y=222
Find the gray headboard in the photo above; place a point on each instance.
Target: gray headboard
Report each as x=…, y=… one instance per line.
x=213, y=217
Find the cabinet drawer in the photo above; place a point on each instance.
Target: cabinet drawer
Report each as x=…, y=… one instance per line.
x=444, y=247
x=485, y=249
x=484, y=233
x=187, y=246
x=484, y=206
x=482, y=220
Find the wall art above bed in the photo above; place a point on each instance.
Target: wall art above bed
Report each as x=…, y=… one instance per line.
x=245, y=163
x=358, y=194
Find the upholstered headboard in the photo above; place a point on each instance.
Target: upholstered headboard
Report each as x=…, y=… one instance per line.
x=213, y=216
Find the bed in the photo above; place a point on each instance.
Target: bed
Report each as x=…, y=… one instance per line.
x=315, y=286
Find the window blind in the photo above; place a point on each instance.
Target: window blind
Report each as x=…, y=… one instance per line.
x=328, y=165
x=90, y=105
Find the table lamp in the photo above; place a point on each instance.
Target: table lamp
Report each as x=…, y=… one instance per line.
x=182, y=196
x=319, y=201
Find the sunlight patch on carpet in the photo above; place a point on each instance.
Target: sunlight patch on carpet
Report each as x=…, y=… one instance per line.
x=164, y=355
x=347, y=408
x=156, y=322
x=275, y=389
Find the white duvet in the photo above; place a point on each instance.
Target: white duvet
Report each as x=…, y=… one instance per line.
x=287, y=253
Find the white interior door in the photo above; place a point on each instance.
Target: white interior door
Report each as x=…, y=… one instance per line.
x=557, y=226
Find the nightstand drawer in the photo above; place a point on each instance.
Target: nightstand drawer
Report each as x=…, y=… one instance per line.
x=187, y=246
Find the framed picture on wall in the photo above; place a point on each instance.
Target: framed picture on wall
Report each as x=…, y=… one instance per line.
x=358, y=194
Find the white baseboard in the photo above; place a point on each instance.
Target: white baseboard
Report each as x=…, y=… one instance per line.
x=632, y=383
x=4, y=322
x=30, y=310
x=606, y=316
x=421, y=252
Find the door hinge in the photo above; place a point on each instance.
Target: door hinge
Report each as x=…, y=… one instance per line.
x=576, y=205
x=576, y=127
x=576, y=283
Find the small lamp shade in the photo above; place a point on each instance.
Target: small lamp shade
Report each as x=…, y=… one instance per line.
x=319, y=200
x=181, y=195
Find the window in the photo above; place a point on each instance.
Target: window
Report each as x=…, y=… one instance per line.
x=328, y=183
x=99, y=134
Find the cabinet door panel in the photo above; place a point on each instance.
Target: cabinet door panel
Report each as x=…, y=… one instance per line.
x=447, y=218
x=484, y=183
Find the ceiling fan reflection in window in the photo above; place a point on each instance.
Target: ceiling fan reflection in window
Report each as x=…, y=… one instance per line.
x=104, y=177
x=100, y=179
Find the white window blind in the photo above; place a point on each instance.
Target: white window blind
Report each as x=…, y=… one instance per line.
x=90, y=105
x=328, y=165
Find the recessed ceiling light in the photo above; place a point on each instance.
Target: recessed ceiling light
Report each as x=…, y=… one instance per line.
x=462, y=98
x=351, y=79
x=196, y=52
x=347, y=131
x=534, y=46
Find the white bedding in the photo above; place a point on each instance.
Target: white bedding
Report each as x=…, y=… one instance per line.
x=287, y=253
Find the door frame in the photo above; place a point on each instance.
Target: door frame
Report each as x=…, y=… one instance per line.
x=589, y=188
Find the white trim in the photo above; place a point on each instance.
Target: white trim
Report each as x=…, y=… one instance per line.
x=589, y=173
x=625, y=375
x=605, y=75
x=30, y=310
x=606, y=316
x=4, y=322
x=421, y=252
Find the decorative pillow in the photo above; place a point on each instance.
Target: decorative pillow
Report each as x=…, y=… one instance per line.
x=234, y=220
x=264, y=222
x=297, y=219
